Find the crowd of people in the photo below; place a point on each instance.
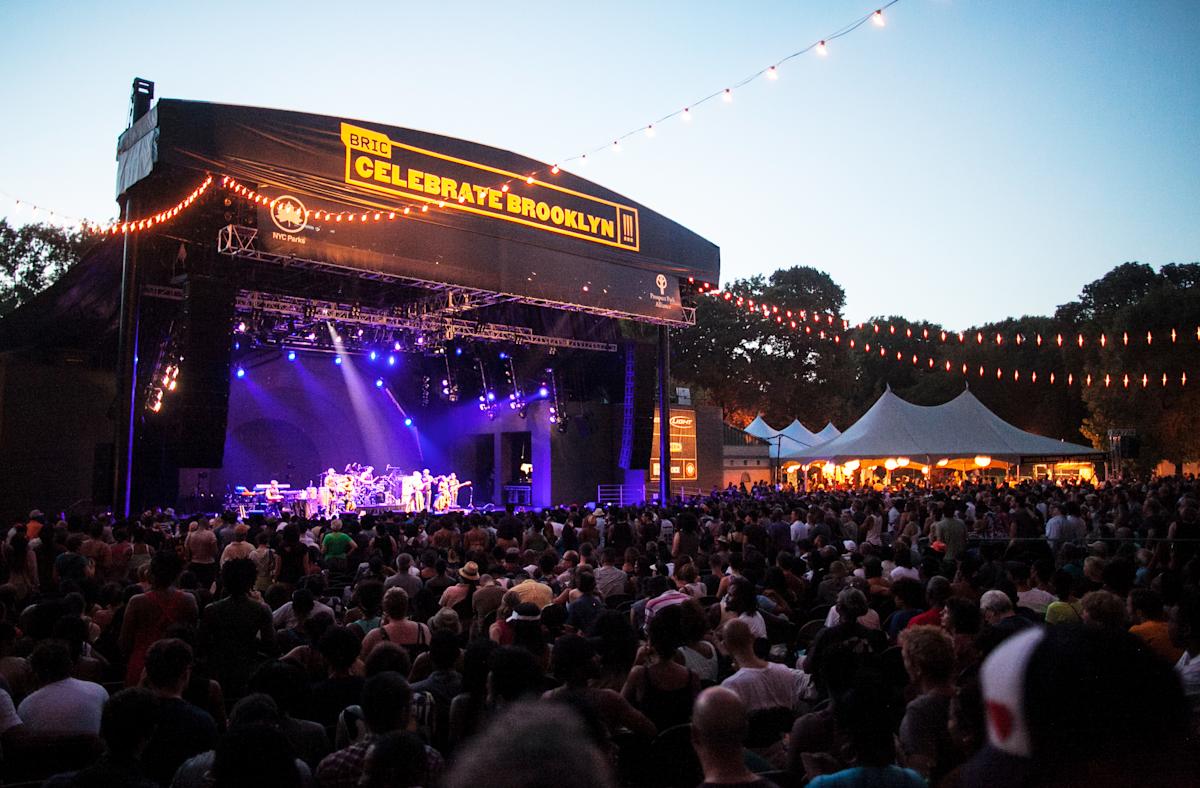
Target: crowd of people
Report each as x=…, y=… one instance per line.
x=962, y=636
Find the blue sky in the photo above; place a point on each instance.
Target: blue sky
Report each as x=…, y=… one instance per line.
x=969, y=161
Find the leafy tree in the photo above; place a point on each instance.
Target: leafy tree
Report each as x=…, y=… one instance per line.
x=32, y=257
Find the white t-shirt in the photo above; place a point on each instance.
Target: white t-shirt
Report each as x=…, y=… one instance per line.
x=771, y=687
x=799, y=531
x=758, y=627
x=905, y=571
x=66, y=706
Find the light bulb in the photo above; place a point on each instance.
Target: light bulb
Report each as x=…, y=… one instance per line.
x=821, y=49
x=878, y=19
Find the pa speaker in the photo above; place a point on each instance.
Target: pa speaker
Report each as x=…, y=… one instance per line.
x=202, y=407
x=637, y=429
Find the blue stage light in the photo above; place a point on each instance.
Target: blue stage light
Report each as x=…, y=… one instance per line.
x=458, y=351
x=337, y=360
x=241, y=373
x=237, y=345
x=291, y=355
x=543, y=392
x=374, y=355
x=503, y=355
x=408, y=422
x=491, y=395
x=391, y=361
x=378, y=383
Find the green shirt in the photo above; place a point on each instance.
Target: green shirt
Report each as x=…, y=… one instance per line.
x=336, y=544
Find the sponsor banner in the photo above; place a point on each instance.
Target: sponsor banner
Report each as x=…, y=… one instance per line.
x=681, y=433
x=560, y=239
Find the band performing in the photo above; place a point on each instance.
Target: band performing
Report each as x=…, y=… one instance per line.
x=357, y=488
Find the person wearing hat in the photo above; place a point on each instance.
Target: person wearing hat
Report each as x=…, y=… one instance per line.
x=1080, y=706
x=239, y=547
x=37, y=520
x=468, y=581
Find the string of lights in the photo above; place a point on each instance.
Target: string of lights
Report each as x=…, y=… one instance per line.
x=795, y=319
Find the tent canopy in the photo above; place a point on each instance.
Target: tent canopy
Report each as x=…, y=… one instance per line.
x=760, y=429
x=957, y=432
x=827, y=433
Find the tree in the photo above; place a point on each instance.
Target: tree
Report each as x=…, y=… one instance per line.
x=749, y=362
x=32, y=257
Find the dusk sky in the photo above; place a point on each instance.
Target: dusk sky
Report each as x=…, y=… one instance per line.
x=968, y=161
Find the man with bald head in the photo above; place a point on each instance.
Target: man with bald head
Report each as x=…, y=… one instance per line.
x=719, y=726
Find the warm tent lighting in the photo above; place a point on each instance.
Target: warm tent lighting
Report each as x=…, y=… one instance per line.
x=851, y=466
x=983, y=461
x=902, y=462
x=890, y=464
x=942, y=463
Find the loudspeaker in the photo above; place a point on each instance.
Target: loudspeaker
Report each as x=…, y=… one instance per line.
x=202, y=406
x=637, y=429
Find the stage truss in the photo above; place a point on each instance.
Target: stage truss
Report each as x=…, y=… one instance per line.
x=437, y=326
x=238, y=241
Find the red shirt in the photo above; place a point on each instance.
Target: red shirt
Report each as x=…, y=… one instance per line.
x=930, y=618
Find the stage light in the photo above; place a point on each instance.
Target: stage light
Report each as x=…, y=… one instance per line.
x=458, y=351
x=491, y=396
x=241, y=373
x=237, y=345
x=543, y=392
x=373, y=355
x=503, y=355
x=378, y=383
x=291, y=356
x=337, y=360
x=878, y=19
x=408, y=422
x=241, y=327
x=391, y=361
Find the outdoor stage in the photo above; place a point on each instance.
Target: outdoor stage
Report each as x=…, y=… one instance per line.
x=301, y=292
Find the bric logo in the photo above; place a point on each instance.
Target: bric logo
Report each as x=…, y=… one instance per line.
x=661, y=282
x=288, y=214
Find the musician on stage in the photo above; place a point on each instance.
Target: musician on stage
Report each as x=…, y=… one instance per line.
x=426, y=490
x=273, y=493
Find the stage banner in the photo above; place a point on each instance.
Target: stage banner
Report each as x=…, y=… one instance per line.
x=555, y=238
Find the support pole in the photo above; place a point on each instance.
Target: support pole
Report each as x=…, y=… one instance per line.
x=127, y=360
x=664, y=415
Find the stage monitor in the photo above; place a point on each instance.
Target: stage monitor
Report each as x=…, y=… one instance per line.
x=478, y=217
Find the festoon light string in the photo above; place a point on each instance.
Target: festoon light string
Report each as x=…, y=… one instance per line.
x=800, y=320
x=770, y=72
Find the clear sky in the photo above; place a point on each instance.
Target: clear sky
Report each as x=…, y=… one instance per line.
x=969, y=161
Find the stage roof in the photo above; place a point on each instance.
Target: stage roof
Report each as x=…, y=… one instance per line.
x=482, y=219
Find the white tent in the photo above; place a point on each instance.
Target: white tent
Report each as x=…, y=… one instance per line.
x=786, y=442
x=950, y=435
x=760, y=429
x=827, y=433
